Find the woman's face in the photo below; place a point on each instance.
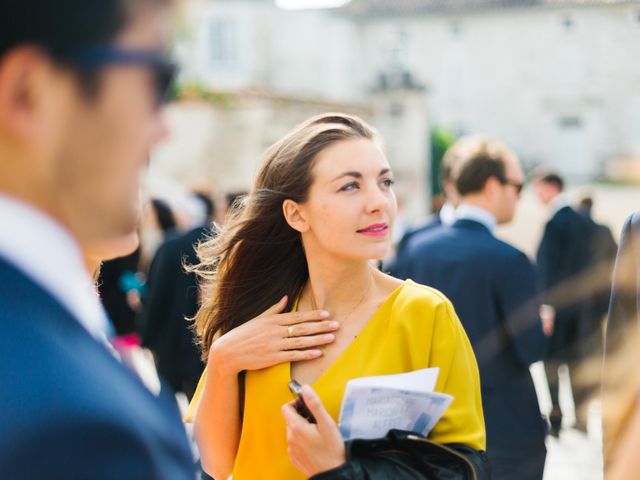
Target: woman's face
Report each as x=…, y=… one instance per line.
x=351, y=205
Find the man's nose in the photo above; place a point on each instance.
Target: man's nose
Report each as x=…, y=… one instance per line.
x=161, y=129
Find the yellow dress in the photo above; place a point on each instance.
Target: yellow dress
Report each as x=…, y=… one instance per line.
x=416, y=327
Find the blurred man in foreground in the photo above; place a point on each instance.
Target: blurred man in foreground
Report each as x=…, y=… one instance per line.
x=80, y=84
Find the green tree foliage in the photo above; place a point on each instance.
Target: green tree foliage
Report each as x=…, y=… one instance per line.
x=441, y=140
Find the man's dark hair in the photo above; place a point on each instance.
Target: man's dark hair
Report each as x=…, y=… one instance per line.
x=475, y=171
x=586, y=203
x=474, y=160
x=61, y=27
x=164, y=215
x=209, y=204
x=552, y=178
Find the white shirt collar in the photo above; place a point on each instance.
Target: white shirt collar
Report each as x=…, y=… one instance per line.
x=557, y=203
x=46, y=252
x=448, y=213
x=467, y=211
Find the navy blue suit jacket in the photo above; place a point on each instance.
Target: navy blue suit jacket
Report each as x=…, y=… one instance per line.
x=399, y=265
x=563, y=256
x=492, y=287
x=68, y=408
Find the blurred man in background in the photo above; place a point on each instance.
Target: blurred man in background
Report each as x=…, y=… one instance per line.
x=444, y=216
x=173, y=297
x=563, y=259
x=603, y=251
x=492, y=287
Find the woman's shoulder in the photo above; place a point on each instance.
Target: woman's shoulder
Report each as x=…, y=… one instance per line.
x=410, y=300
x=422, y=310
x=416, y=294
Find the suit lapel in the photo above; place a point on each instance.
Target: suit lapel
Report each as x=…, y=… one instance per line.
x=41, y=313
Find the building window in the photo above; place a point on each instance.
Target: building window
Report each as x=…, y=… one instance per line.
x=570, y=122
x=396, y=110
x=223, y=42
x=568, y=23
x=455, y=28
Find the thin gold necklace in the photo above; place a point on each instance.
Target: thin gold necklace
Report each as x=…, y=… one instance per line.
x=344, y=319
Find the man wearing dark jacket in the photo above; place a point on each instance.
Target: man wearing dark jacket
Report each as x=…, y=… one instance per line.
x=492, y=287
x=172, y=298
x=444, y=216
x=563, y=260
x=602, y=252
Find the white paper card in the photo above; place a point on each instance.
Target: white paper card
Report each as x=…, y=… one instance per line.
x=374, y=405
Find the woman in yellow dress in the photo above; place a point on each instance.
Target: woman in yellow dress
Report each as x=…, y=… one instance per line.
x=291, y=294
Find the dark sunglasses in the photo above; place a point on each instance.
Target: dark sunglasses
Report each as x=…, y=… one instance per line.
x=163, y=68
x=517, y=185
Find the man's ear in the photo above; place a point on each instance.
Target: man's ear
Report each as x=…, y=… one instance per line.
x=492, y=186
x=294, y=215
x=26, y=79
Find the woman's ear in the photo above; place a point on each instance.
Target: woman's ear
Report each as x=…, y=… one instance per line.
x=294, y=215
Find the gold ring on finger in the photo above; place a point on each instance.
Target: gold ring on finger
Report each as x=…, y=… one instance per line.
x=290, y=331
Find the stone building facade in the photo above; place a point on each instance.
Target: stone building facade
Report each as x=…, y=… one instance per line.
x=557, y=80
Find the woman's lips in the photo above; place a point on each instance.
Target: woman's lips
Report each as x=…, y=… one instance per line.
x=377, y=230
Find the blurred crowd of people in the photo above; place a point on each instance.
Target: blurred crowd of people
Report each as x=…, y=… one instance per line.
x=234, y=306
x=150, y=294
x=515, y=312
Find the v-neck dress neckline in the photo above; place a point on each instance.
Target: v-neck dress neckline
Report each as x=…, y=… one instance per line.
x=366, y=330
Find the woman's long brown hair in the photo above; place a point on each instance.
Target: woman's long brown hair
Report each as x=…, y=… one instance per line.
x=257, y=258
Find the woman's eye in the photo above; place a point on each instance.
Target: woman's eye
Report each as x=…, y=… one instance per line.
x=350, y=186
x=388, y=182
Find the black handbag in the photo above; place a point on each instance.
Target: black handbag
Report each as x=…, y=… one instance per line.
x=402, y=455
